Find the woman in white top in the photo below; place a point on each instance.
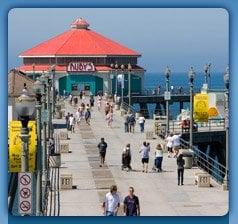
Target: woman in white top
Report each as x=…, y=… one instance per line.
x=169, y=145
x=141, y=121
x=158, y=157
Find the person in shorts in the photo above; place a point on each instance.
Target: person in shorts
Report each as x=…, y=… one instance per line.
x=169, y=145
x=102, y=146
x=144, y=151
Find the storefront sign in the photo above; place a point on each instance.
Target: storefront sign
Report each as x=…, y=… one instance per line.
x=201, y=107
x=15, y=146
x=81, y=67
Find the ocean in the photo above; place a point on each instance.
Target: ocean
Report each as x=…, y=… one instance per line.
x=153, y=80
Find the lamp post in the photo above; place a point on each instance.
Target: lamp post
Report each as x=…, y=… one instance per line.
x=167, y=97
x=226, y=81
x=44, y=145
x=191, y=75
x=116, y=68
x=129, y=67
x=25, y=106
x=53, y=89
x=111, y=77
x=207, y=69
x=38, y=89
x=49, y=117
x=122, y=84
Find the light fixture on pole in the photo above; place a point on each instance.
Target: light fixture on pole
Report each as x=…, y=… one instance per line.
x=122, y=84
x=38, y=89
x=111, y=78
x=52, y=69
x=191, y=75
x=167, y=97
x=25, y=107
x=226, y=81
x=44, y=137
x=207, y=69
x=116, y=68
x=129, y=67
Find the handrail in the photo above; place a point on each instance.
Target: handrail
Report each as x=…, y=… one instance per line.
x=205, y=162
x=127, y=107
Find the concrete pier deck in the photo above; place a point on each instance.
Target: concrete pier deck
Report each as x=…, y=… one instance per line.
x=159, y=193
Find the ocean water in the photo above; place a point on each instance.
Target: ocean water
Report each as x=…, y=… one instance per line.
x=153, y=80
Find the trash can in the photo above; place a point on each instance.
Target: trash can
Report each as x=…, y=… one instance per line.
x=188, y=158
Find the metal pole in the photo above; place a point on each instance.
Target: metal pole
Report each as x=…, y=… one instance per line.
x=44, y=146
x=122, y=88
x=25, y=150
x=129, y=87
x=50, y=130
x=167, y=106
x=191, y=116
x=116, y=84
x=39, y=161
x=225, y=180
x=53, y=92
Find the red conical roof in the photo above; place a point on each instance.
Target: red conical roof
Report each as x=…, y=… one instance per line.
x=79, y=41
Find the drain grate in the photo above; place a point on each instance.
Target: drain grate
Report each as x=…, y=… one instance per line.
x=192, y=206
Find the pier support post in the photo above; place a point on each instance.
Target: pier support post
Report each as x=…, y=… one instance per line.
x=158, y=109
x=180, y=106
x=144, y=110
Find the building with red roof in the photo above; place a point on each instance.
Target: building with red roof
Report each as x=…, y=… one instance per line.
x=84, y=60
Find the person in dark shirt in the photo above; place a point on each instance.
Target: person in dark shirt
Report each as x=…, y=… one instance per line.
x=180, y=164
x=131, y=204
x=102, y=146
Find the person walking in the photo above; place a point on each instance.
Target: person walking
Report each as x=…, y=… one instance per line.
x=71, y=123
x=111, y=202
x=77, y=117
x=107, y=108
x=67, y=121
x=109, y=118
x=126, y=157
x=99, y=103
x=81, y=94
x=131, y=204
x=158, y=157
x=91, y=101
x=169, y=145
x=180, y=169
x=102, y=146
x=132, y=122
x=145, y=149
x=176, y=144
x=141, y=120
x=87, y=116
x=126, y=122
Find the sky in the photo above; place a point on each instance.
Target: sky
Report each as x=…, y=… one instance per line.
x=179, y=38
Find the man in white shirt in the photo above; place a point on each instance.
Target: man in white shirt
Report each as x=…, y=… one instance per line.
x=111, y=202
x=176, y=144
x=141, y=122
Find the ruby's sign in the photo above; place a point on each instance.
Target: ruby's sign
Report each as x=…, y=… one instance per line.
x=81, y=67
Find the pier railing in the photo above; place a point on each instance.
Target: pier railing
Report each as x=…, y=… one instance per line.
x=207, y=163
x=212, y=125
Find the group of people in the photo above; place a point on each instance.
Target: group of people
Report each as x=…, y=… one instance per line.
x=127, y=156
x=82, y=112
x=111, y=203
x=145, y=155
x=130, y=122
x=173, y=145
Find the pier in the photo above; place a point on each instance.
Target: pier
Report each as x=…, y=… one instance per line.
x=91, y=182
